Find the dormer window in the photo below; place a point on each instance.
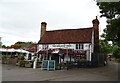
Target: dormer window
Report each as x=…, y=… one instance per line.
x=79, y=46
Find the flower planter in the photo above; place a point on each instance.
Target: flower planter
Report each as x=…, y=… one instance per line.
x=28, y=65
x=22, y=65
x=17, y=64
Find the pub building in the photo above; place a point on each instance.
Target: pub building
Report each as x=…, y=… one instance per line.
x=69, y=45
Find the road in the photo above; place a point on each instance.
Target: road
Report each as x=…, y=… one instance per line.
x=106, y=73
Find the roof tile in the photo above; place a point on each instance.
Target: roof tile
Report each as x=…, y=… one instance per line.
x=67, y=36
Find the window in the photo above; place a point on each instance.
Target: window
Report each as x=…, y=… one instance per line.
x=79, y=46
x=86, y=45
x=44, y=46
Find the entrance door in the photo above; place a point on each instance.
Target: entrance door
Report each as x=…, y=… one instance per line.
x=55, y=57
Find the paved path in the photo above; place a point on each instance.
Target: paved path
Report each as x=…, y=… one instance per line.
x=107, y=73
x=0, y=70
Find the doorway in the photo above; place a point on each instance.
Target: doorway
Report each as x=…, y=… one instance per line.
x=55, y=57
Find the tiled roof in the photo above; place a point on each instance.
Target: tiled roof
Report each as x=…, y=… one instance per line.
x=24, y=46
x=67, y=36
x=32, y=48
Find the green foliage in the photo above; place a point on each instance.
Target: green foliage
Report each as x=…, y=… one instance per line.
x=3, y=55
x=3, y=46
x=22, y=43
x=29, y=62
x=109, y=9
x=105, y=47
x=21, y=63
x=116, y=51
x=112, y=31
x=21, y=56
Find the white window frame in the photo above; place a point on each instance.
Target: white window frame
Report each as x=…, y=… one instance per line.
x=45, y=46
x=79, y=46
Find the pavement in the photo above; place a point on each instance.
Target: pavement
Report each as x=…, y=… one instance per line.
x=0, y=70
x=106, y=73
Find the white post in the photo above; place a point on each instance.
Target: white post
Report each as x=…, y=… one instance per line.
x=59, y=59
x=35, y=63
x=50, y=57
x=67, y=54
x=90, y=51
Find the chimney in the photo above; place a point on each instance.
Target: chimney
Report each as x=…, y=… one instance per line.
x=96, y=35
x=43, y=29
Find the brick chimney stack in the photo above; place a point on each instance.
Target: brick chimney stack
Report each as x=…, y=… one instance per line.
x=96, y=35
x=43, y=29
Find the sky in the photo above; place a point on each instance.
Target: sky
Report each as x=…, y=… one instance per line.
x=20, y=20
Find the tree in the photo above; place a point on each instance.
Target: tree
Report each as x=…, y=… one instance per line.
x=3, y=46
x=22, y=43
x=111, y=10
x=105, y=47
x=18, y=44
x=116, y=51
x=15, y=46
x=112, y=32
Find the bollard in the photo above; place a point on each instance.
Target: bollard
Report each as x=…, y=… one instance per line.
x=35, y=63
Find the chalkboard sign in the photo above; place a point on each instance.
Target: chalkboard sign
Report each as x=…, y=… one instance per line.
x=44, y=64
x=51, y=64
x=48, y=64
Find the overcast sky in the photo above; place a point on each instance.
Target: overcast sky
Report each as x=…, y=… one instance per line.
x=20, y=20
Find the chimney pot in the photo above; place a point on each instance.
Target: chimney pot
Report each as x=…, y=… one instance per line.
x=44, y=23
x=95, y=21
x=96, y=17
x=43, y=29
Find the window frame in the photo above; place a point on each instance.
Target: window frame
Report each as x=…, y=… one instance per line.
x=45, y=46
x=80, y=46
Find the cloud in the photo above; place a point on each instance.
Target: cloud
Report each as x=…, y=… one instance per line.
x=18, y=1
x=20, y=19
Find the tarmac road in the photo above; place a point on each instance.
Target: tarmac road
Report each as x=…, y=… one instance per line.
x=106, y=73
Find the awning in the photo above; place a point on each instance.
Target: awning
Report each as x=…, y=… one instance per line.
x=55, y=52
x=13, y=50
x=52, y=51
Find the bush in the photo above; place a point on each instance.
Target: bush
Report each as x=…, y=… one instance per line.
x=118, y=60
x=116, y=52
x=21, y=63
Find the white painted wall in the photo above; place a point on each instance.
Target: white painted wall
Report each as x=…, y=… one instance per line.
x=39, y=47
x=66, y=46
x=86, y=46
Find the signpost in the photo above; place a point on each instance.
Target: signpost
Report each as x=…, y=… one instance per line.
x=48, y=65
